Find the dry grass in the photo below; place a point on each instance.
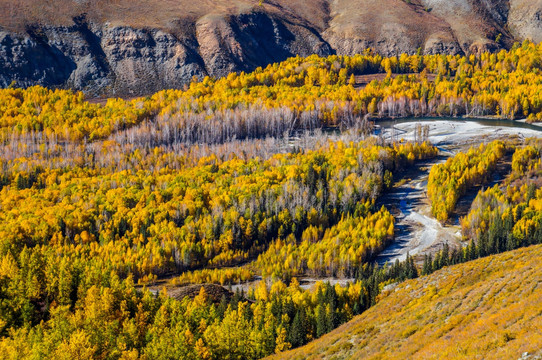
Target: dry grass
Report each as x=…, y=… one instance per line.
x=170, y=15
x=138, y=13
x=490, y=308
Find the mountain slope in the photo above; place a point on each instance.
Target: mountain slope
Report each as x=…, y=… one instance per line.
x=490, y=308
x=126, y=47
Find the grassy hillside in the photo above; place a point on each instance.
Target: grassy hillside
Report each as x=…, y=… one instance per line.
x=344, y=24
x=486, y=309
x=165, y=14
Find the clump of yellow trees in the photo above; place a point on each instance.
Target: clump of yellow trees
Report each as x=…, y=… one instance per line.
x=509, y=215
x=449, y=181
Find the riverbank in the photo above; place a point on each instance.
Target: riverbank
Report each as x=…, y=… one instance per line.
x=451, y=133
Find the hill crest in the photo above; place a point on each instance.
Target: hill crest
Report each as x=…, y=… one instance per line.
x=125, y=48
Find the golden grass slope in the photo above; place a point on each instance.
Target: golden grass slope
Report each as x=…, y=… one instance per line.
x=173, y=15
x=490, y=308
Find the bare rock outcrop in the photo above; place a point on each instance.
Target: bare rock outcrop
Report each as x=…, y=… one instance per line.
x=403, y=27
x=525, y=19
x=128, y=48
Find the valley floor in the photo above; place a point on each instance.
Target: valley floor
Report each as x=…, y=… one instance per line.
x=417, y=231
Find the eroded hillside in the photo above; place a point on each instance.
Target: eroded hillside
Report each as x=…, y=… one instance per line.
x=137, y=47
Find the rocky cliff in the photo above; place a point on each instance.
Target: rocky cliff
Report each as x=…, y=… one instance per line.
x=128, y=48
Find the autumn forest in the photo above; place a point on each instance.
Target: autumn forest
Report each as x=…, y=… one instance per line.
x=185, y=224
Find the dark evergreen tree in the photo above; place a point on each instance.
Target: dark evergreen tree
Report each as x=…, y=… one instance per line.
x=321, y=321
x=411, y=271
x=296, y=336
x=222, y=306
x=445, y=256
x=427, y=265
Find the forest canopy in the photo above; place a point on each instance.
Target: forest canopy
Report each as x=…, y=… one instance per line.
x=275, y=174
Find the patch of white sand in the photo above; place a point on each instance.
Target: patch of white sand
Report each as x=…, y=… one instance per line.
x=443, y=132
x=423, y=238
